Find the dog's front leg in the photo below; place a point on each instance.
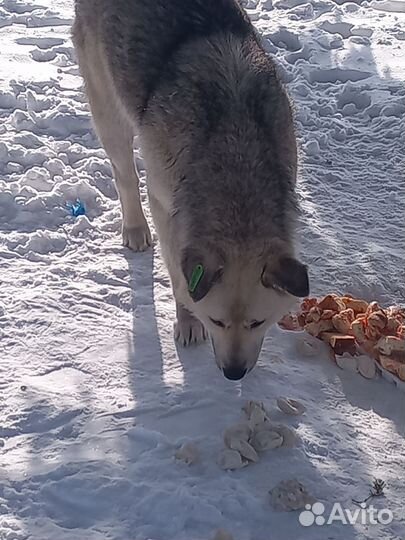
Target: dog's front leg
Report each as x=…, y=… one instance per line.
x=188, y=329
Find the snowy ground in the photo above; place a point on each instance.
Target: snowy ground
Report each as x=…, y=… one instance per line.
x=95, y=396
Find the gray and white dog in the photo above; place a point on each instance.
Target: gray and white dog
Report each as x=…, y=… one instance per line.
x=216, y=132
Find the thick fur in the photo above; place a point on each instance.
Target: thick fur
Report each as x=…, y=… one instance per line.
x=217, y=136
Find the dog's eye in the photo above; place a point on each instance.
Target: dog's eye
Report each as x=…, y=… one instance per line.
x=256, y=324
x=217, y=323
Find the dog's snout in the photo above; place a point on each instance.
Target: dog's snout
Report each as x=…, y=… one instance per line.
x=234, y=373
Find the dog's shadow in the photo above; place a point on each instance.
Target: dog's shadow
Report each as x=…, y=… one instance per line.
x=164, y=375
x=145, y=355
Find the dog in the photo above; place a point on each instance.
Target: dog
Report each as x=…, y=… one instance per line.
x=216, y=131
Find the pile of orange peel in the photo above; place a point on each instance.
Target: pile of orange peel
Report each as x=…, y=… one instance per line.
x=354, y=327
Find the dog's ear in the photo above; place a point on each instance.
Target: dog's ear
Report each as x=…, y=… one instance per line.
x=287, y=274
x=201, y=269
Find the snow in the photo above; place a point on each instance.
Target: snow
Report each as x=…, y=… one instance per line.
x=95, y=396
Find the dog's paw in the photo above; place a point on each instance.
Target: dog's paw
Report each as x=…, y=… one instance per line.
x=189, y=331
x=137, y=238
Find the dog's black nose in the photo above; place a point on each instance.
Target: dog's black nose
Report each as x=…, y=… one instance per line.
x=234, y=373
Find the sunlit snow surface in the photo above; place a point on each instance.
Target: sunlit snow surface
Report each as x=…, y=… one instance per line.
x=94, y=395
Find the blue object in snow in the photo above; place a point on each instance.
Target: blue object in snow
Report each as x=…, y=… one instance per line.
x=76, y=209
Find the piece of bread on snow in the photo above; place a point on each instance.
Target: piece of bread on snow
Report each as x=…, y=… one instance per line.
x=332, y=302
x=308, y=303
x=377, y=320
x=327, y=314
x=393, y=366
x=313, y=315
x=339, y=343
x=358, y=306
x=316, y=328
x=358, y=329
x=372, y=308
x=289, y=322
x=393, y=326
x=372, y=333
x=396, y=312
x=342, y=321
x=392, y=346
x=369, y=346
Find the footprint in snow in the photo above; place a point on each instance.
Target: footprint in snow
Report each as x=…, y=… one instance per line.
x=40, y=42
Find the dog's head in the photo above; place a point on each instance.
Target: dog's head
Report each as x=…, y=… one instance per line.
x=238, y=298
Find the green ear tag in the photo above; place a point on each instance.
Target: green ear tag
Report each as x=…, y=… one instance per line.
x=195, y=279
